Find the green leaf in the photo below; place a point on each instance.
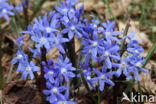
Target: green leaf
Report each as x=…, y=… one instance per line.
x=150, y=54
x=110, y=10
x=123, y=41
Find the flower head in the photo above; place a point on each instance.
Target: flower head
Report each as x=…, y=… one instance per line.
x=29, y=68
x=65, y=68
x=6, y=10
x=54, y=92
x=103, y=77
x=57, y=41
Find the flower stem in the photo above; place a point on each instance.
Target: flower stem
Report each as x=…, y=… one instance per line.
x=71, y=52
x=2, y=84
x=42, y=79
x=98, y=93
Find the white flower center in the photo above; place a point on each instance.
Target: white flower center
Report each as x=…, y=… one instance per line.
x=54, y=90
x=136, y=51
x=63, y=70
x=102, y=77
x=4, y=11
x=65, y=10
x=56, y=99
x=138, y=64
x=66, y=20
x=85, y=71
x=19, y=56
x=73, y=28
x=62, y=102
x=88, y=77
x=43, y=40
x=107, y=33
x=48, y=29
x=123, y=65
x=71, y=11
x=28, y=68
x=106, y=53
x=95, y=26
x=95, y=44
x=51, y=72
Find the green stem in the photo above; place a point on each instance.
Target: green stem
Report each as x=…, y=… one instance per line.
x=2, y=84
x=25, y=12
x=71, y=52
x=150, y=54
x=123, y=41
x=110, y=10
x=98, y=93
x=42, y=79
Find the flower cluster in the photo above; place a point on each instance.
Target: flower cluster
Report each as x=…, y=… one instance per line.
x=100, y=44
x=55, y=76
x=23, y=64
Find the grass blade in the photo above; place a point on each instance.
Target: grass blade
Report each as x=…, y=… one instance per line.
x=123, y=41
x=150, y=54
x=110, y=10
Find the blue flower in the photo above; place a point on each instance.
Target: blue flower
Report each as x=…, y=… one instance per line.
x=87, y=74
x=130, y=64
x=63, y=9
x=57, y=41
x=65, y=102
x=89, y=79
x=132, y=46
x=26, y=3
x=19, y=8
x=109, y=33
x=30, y=31
x=51, y=72
x=72, y=2
x=103, y=77
x=29, y=68
x=73, y=28
x=108, y=52
x=42, y=40
x=94, y=23
x=91, y=47
x=2, y=1
x=35, y=52
x=66, y=99
x=20, y=41
x=6, y=10
x=124, y=67
x=65, y=20
x=54, y=92
x=65, y=68
x=21, y=57
x=45, y=26
x=137, y=64
x=79, y=12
